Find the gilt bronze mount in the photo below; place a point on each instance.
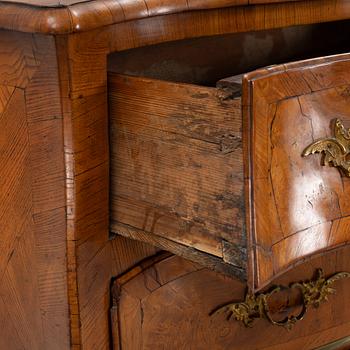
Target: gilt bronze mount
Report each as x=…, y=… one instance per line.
x=256, y=306
x=335, y=150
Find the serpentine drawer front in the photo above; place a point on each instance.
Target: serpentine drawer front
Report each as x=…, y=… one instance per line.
x=244, y=194
x=298, y=203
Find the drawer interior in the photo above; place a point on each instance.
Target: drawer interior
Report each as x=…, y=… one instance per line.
x=177, y=177
x=204, y=61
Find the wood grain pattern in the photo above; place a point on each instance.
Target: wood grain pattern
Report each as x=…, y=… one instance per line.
x=57, y=3
x=33, y=290
x=176, y=164
x=287, y=108
x=97, y=14
x=92, y=257
x=53, y=98
x=86, y=186
x=166, y=303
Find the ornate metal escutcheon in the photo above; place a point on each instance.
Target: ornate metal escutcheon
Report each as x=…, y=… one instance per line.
x=256, y=306
x=335, y=150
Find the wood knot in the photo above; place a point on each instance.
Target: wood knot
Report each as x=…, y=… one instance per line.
x=230, y=143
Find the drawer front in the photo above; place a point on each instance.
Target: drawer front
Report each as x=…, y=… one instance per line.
x=165, y=297
x=296, y=140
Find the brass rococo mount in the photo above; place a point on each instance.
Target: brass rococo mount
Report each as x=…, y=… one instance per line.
x=335, y=150
x=256, y=306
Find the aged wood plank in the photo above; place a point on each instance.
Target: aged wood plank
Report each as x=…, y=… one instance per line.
x=182, y=250
x=176, y=166
x=44, y=117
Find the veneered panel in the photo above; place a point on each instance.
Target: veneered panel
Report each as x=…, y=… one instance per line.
x=161, y=299
x=33, y=288
x=65, y=17
x=297, y=207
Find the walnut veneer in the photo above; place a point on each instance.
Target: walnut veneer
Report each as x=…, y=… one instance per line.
x=58, y=256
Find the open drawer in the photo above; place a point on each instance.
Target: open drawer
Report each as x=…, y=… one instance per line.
x=235, y=188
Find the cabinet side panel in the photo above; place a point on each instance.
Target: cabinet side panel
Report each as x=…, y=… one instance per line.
x=32, y=207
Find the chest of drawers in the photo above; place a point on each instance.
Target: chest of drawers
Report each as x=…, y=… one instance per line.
x=118, y=119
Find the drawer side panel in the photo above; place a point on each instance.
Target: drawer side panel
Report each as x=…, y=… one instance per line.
x=177, y=168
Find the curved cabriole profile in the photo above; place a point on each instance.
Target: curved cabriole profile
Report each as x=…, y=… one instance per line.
x=130, y=127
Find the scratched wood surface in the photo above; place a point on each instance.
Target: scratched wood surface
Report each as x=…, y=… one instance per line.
x=166, y=301
x=297, y=207
x=177, y=166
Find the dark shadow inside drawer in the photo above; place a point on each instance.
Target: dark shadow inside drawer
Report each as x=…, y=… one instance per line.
x=206, y=60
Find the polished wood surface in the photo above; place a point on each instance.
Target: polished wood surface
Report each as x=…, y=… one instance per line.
x=167, y=302
x=53, y=251
x=92, y=257
x=190, y=4
x=33, y=293
x=297, y=207
x=54, y=153
x=95, y=14
x=159, y=196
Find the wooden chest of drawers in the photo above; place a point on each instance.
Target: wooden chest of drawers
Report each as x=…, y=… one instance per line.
x=177, y=167
x=118, y=119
